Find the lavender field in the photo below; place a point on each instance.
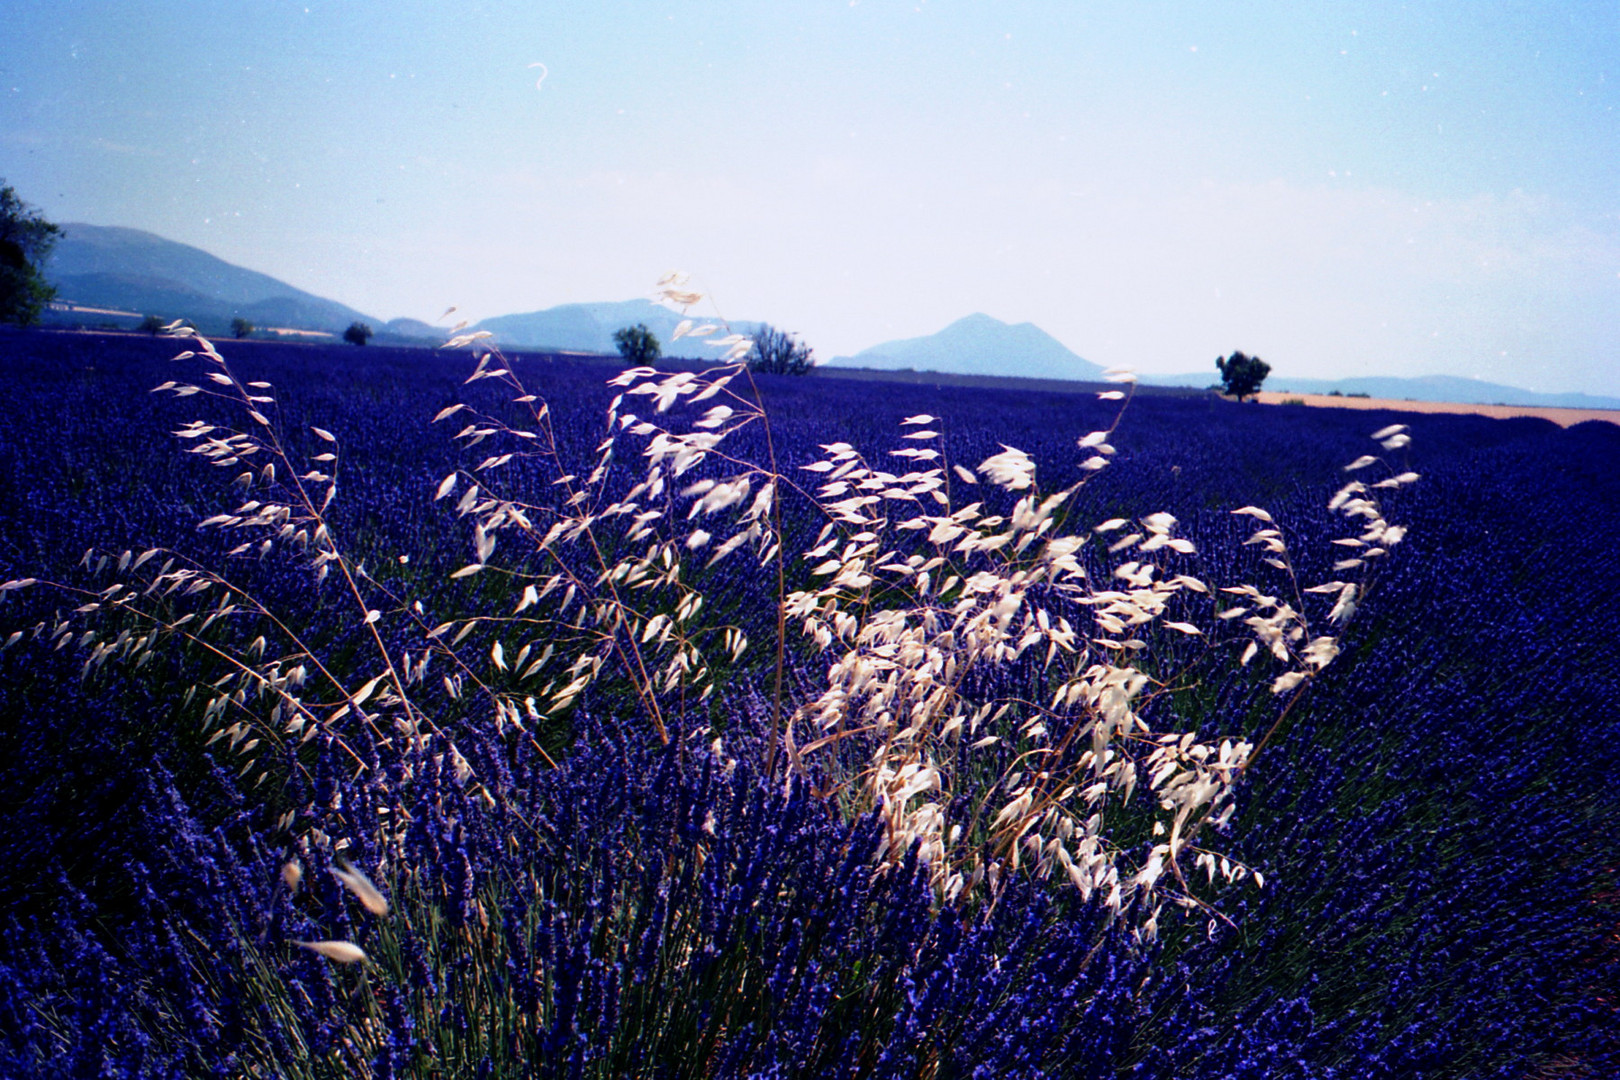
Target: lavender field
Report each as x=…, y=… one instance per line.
x=1434, y=822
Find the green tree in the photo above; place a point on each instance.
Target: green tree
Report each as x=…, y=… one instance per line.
x=241, y=328
x=152, y=324
x=358, y=333
x=637, y=345
x=26, y=239
x=1241, y=375
x=779, y=353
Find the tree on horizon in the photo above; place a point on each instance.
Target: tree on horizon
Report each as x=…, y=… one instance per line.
x=1241, y=375
x=26, y=240
x=776, y=352
x=638, y=345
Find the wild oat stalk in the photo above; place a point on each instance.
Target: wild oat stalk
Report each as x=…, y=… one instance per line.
x=604, y=581
x=922, y=595
x=919, y=598
x=282, y=689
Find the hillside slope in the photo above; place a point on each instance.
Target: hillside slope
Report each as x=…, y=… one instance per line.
x=102, y=266
x=979, y=345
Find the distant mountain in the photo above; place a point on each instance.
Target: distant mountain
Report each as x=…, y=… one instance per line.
x=413, y=329
x=978, y=345
x=1423, y=388
x=127, y=270
x=590, y=328
x=112, y=274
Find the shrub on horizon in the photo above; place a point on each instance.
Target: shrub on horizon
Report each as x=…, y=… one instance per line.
x=358, y=333
x=777, y=353
x=637, y=345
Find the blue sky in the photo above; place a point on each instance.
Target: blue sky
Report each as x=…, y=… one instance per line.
x=1342, y=188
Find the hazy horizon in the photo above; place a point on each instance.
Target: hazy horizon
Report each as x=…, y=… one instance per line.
x=1344, y=190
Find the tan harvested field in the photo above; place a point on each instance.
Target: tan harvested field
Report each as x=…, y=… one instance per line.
x=1563, y=417
x=290, y=332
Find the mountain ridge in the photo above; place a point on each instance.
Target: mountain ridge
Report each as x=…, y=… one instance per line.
x=106, y=270
x=110, y=266
x=118, y=273
x=589, y=327
x=978, y=344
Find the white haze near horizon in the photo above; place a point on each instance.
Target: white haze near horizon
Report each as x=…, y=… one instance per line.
x=1343, y=189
